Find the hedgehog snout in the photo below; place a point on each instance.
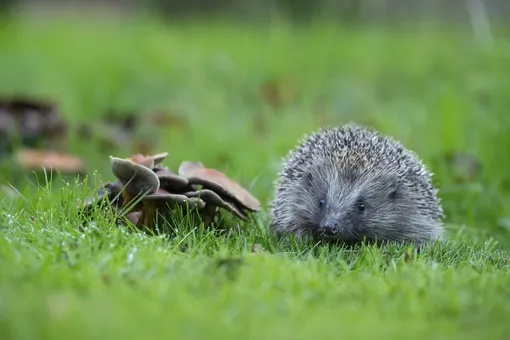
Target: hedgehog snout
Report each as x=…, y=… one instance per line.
x=330, y=227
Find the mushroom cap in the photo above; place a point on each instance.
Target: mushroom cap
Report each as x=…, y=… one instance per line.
x=213, y=179
x=149, y=161
x=170, y=181
x=136, y=178
x=212, y=198
x=162, y=197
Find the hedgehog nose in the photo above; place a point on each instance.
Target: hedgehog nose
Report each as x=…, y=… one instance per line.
x=330, y=227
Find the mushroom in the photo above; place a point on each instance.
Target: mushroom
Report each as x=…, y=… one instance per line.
x=162, y=199
x=136, y=178
x=217, y=181
x=213, y=199
x=195, y=187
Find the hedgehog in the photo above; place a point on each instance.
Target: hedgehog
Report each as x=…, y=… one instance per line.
x=352, y=184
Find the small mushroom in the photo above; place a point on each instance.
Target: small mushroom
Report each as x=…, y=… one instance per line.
x=212, y=198
x=162, y=199
x=136, y=179
x=217, y=181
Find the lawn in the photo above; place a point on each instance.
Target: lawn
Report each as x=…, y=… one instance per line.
x=435, y=89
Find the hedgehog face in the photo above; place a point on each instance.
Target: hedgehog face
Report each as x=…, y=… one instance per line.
x=350, y=205
x=349, y=183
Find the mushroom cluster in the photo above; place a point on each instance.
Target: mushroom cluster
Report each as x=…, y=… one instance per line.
x=145, y=189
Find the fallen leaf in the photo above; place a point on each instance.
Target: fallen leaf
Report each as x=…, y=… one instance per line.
x=277, y=92
x=33, y=159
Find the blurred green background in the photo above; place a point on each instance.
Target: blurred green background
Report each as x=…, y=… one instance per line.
x=240, y=82
x=235, y=84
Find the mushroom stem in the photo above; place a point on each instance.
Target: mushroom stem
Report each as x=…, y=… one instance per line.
x=148, y=216
x=207, y=214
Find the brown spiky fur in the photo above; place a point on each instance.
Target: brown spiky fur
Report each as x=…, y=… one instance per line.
x=355, y=184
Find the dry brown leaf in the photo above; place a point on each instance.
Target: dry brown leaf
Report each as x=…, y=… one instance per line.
x=32, y=159
x=167, y=119
x=277, y=92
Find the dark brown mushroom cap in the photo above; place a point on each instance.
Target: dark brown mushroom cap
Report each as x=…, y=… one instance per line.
x=217, y=181
x=149, y=161
x=212, y=198
x=162, y=197
x=137, y=179
x=170, y=181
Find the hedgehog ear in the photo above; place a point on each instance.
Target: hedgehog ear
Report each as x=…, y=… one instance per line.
x=395, y=190
x=393, y=187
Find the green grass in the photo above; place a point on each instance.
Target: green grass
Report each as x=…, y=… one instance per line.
x=435, y=90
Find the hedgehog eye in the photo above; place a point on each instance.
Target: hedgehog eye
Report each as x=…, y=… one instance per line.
x=321, y=203
x=360, y=205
